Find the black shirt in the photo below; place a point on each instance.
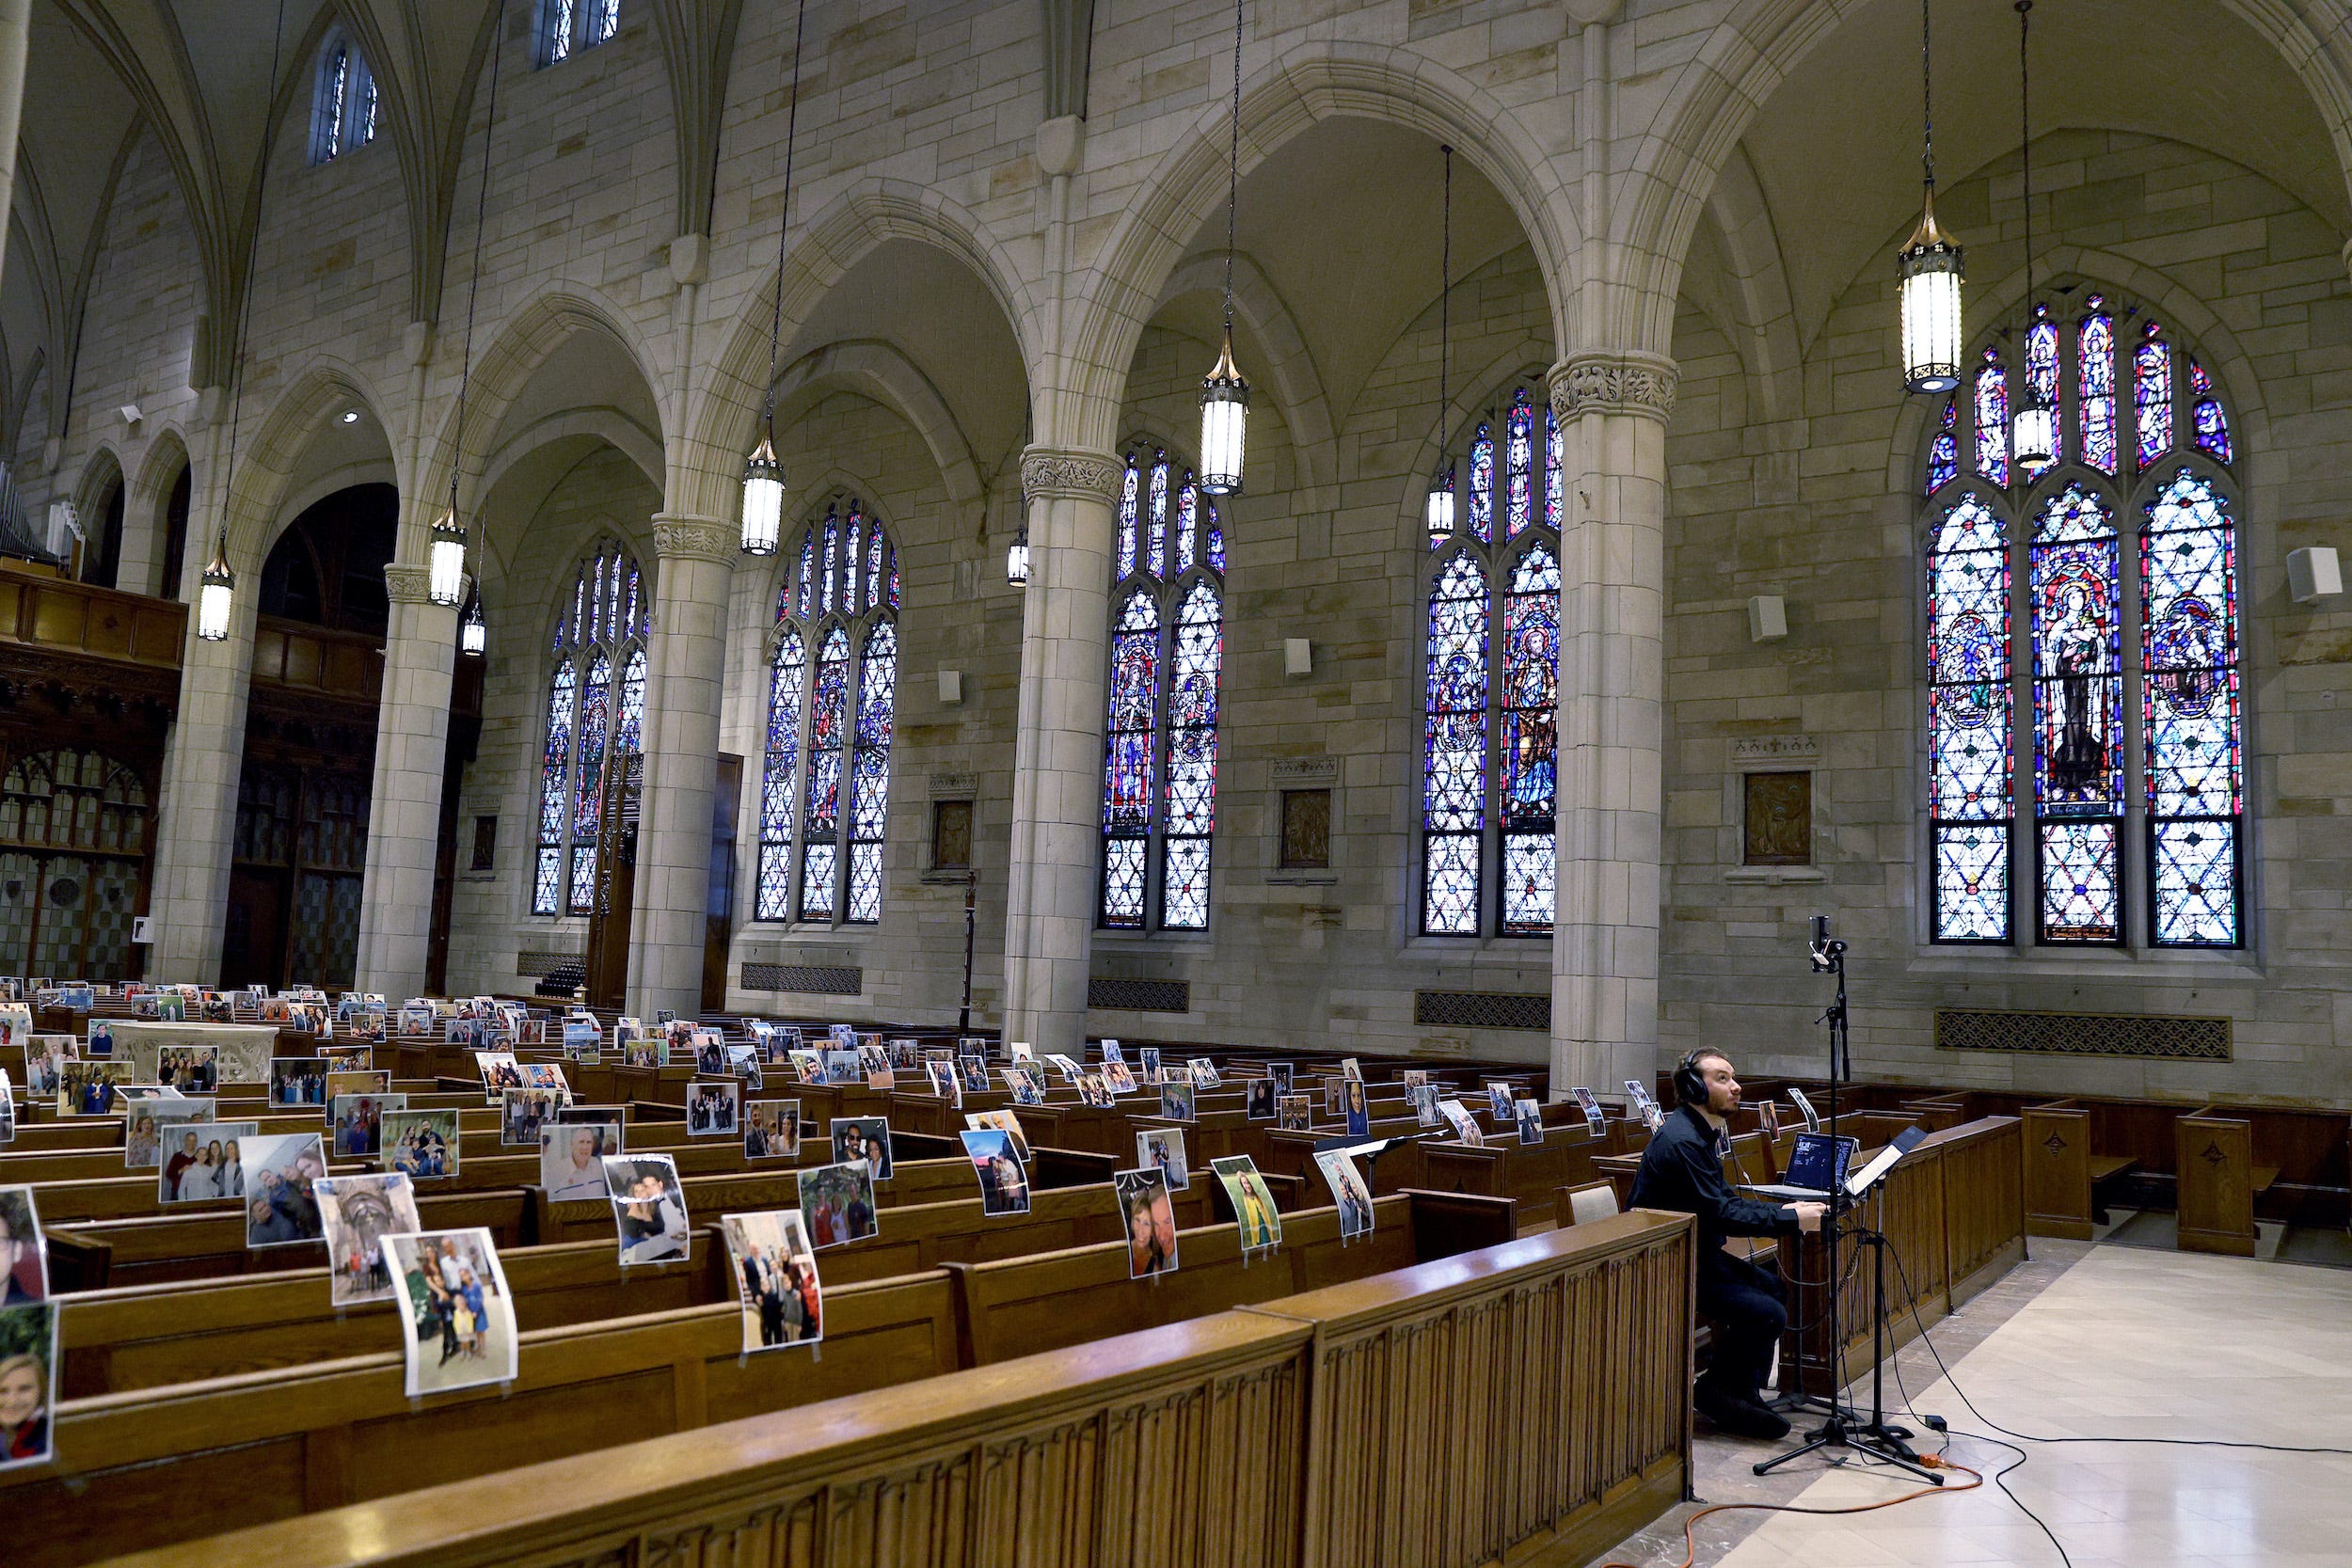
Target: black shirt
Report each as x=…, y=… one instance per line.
x=1682, y=1169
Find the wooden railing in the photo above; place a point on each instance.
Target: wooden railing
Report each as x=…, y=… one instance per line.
x=299, y=657
x=71, y=617
x=1530, y=1395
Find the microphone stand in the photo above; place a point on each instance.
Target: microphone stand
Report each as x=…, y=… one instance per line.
x=963, y=1019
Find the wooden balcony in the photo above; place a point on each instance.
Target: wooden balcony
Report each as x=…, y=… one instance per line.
x=60, y=616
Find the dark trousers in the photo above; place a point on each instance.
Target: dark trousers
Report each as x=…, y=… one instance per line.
x=1746, y=1305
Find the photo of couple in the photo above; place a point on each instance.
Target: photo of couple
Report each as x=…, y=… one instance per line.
x=648, y=1208
x=776, y=1270
x=771, y=1129
x=1150, y=1215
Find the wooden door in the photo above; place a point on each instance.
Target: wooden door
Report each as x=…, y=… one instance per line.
x=253, y=938
x=616, y=887
x=725, y=800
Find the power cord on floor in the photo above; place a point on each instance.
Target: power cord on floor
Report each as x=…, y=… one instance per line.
x=1934, y=1462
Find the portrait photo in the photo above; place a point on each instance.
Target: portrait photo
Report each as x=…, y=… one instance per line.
x=1069, y=1070
x=714, y=1108
x=838, y=1203
x=1258, y=1098
x=1026, y=1085
x=1424, y=1101
x=771, y=1129
x=865, y=1138
x=1119, y=1076
x=280, y=1209
x=356, y=1214
x=461, y=1329
x=1203, y=1073
x=1148, y=1064
x=709, y=1051
x=23, y=1252
x=28, y=1378
x=1351, y=1070
x=1498, y=1097
x=421, y=1143
x=1150, y=1216
x=1254, y=1213
x=191, y=1068
x=101, y=1038
x=1162, y=1149
x=975, y=1073
x=1004, y=1184
x=1095, y=1090
x=808, y=1066
x=571, y=1160
x=45, y=1056
x=1176, y=1101
x=523, y=1112
x=775, y=1276
x=1005, y=1122
x=1465, y=1125
x=1357, y=1107
x=1530, y=1115
x=1350, y=1193
x=358, y=1123
x=648, y=1208
x=1413, y=1077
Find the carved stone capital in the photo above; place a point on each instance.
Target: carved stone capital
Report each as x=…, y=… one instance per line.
x=1614, y=381
x=695, y=539
x=406, y=584
x=1058, y=471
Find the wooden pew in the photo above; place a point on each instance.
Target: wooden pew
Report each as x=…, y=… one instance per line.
x=1504, y=1168
x=2218, y=1183
x=2066, y=1175
x=150, y=1248
x=1306, y=1424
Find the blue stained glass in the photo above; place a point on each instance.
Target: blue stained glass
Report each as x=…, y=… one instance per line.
x=560, y=628
x=599, y=626
x=2095, y=356
x=1551, y=469
x=1969, y=704
x=784, y=602
x=893, y=579
x=2042, y=371
x=788, y=672
x=1450, y=885
x=555, y=761
x=1216, y=537
x=874, y=548
x=614, y=626
x=2078, y=697
x=2190, y=711
x=1530, y=866
x=1123, y=882
x=2081, y=900
x=629, y=735
x=1519, y=465
x=849, y=583
x=1130, y=523
x=1971, y=895
x=1194, y=671
x=2152, y=394
x=870, y=782
x=547, y=880
x=588, y=787
x=2210, y=425
x=1482, y=483
x=1134, y=691
x=808, y=572
x=2196, y=877
x=636, y=622
x=1943, y=454
x=1531, y=681
x=818, y=864
x=1991, y=417
x=1454, y=748
x=579, y=602
x=1187, y=520
x=1185, y=885
x=825, y=587
x=829, y=719
x=1159, y=560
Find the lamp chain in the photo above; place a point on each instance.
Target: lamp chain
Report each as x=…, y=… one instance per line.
x=1233, y=175
x=784, y=227
x=252, y=260
x=480, y=221
x=1445, y=301
x=1927, y=103
x=2025, y=146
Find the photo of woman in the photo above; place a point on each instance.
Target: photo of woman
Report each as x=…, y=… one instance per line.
x=28, y=1364
x=1150, y=1216
x=1259, y=1099
x=1253, y=1204
x=23, y=1259
x=776, y=1269
x=139, y=1147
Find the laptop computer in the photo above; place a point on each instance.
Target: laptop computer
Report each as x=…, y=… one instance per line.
x=1817, y=1168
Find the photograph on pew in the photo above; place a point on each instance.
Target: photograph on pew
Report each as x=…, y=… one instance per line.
x=1258, y=1098
x=1295, y=1113
x=422, y=1143
x=1003, y=1184
x=1465, y=1125
x=28, y=1372
x=101, y=1038
x=710, y=1051
x=1498, y=1097
x=1530, y=1116
x=1423, y=1099
x=342, y=1081
x=645, y=1053
x=1148, y=1059
x=1356, y=1108
x=1281, y=1073
x=206, y=1161
x=1162, y=1149
x=865, y=1138
x=808, y=1066
x=7, y=1109
x=1095, y=1090
x=278, y=1170
x=1351, y=1070
x=571, y=1160
x=500, y=1073
x=714, y=1108
x=1204, y=1074
x=1119, y=1077
x=648, y=1209
x=1177, y=1102
x=975, y=1070
x=1069, y=1070
x=946, y=1082
x=24, y=1250
x=348, y=1058
x=775, y=1273
x=771, y=1129
x=1150, y=1216
x=191, y=1068
x=841, y=1067
x=1026, y=1085
x=357, y=1120
x=1349, y=1192
x=87, y=1088
x=1254, y=1213
x=838, y=1202
x=355, y=1213
x=45, y=1056
x=460, y=1331
x=743, y=1062
x=16, y=1024
x=297, y=1081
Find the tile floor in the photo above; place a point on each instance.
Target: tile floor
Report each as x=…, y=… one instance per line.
x=2105, y=1341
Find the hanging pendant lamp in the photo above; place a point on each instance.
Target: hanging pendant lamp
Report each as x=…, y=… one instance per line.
x=217, y=593
x=1017, y=558
x=1439, y=511
x=1224, y=394
x=1930, y=268
x=763, y=474
x=473, y=634
x=2034, y=430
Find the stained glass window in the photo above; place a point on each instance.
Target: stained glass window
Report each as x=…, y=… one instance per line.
x=1482, y=483
x=825, y=797
x=1968, y=722
x=1944, y=452
x=2189, y=698
x=2085, y=699
x=1159, y=734
x=1490, y=764
x=596, y=721
x=2042, y=370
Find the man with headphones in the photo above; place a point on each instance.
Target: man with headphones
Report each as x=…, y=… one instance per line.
x=1682, y=1170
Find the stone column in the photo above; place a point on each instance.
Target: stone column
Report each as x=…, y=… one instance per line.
x=16, y=20
x=404, y=809
x=197, y=823
x=687, y=671
x=1072, y=498
x=1612, y=407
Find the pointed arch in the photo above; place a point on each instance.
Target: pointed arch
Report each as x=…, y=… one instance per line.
x=260, y=488
x=601, y=623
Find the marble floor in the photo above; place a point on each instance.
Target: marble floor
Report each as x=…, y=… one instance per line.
x=2085, y=1340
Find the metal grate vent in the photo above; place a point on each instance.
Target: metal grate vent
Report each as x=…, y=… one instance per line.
x=536, y=964
x=1140, y=996
x=1482, y=1009
x=2173, y=1040
x=814, y=979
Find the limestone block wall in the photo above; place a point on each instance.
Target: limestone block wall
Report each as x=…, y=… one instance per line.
x=1825, y=511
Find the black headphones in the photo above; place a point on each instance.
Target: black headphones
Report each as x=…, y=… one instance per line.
x=1689, y=1085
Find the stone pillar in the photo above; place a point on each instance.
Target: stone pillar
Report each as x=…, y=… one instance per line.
x=405, y=808
x=1072, y=498
x=16, y=20
x=197, y=823
x=1612, y=407
x=687, y=664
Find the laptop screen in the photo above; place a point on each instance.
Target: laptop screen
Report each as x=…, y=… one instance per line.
x=1820, y=1162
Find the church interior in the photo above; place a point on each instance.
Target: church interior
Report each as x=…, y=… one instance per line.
x=1292, y=783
